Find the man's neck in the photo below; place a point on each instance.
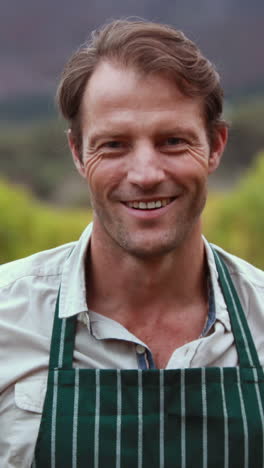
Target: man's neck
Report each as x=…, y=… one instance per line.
x=130, y=289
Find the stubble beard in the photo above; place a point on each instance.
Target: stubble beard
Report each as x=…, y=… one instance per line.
x=143, y=246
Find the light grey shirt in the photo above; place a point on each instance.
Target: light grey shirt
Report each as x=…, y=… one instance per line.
x=28, y=292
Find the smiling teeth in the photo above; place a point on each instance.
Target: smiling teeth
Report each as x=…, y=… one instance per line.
x=149, y=205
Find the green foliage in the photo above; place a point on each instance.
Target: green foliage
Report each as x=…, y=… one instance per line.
x=37, y=155
x=235, y=220
x=28, y=226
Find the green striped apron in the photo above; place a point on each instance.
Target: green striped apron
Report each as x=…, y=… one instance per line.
x=188, y=418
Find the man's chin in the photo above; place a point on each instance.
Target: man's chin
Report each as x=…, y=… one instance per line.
x=147, y=250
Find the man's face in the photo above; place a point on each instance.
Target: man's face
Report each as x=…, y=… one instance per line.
x=146, y=158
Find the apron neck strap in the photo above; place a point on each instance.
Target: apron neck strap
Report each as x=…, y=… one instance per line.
x=62, y=341
x=247, y=353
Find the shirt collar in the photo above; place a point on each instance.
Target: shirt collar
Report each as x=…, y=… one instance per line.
x=73, y=287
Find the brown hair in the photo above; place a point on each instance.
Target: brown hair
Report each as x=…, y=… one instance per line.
x=149, y=48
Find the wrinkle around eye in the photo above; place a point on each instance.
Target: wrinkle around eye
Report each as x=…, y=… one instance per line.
x=177, y=149
x=199, y=154
x=91, y=163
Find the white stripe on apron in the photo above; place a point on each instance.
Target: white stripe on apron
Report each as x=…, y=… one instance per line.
x=183, y=425
x=97, y=418
x=118, y=420
x=53, y=420
x=244, y=419
x=75, y=419
x=62, y=339
x=226, y=443
x=161, y=418
x=205, y=448
x=140, y=419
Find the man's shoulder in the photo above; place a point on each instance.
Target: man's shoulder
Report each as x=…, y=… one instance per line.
x=239, y=268
x=45, y=263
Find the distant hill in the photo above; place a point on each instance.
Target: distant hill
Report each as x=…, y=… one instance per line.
x=36, y=38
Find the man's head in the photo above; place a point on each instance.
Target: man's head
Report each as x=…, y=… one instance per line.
x=150, y=49
x=144, y=108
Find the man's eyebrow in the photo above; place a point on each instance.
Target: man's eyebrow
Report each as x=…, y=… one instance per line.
x=103, y=135
x=185, y=131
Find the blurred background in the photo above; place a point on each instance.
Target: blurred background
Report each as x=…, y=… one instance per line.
x=43, y=202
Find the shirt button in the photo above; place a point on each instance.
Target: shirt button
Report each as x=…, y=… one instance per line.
x=140, y=349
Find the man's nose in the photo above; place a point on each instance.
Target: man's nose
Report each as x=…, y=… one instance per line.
x=145, y=167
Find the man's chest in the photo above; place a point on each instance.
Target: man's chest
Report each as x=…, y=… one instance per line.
x=164, y=337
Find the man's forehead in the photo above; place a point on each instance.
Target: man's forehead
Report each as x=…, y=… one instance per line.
x=113, y=86
x=108, y=75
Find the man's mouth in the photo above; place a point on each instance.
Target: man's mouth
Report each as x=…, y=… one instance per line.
x=149, y=205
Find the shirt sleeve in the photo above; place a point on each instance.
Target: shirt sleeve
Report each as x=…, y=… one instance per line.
x=26, y=316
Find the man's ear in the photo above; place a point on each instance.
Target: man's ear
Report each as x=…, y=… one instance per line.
x=75, y=153
x=217, y=148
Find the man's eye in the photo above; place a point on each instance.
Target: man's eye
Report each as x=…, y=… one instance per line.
x=113, y=144
x=173, y=141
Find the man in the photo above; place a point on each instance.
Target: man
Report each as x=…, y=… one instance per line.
x=152, y=361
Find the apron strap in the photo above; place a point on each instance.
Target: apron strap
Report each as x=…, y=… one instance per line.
x=246, y=350
x=62, y=341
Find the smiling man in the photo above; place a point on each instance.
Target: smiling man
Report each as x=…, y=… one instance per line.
x=147, y=157
x=156, y=353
